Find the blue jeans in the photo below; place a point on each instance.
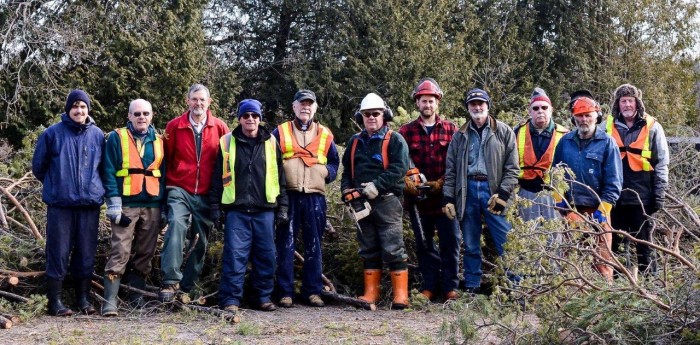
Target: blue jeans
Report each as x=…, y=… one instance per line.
x=247, y=235
x=307, y=212
x=478, y=195
x=71, y=241
x=438, y=268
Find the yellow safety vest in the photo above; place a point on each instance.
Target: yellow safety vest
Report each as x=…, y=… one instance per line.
x=272, y=186
x=133, y=172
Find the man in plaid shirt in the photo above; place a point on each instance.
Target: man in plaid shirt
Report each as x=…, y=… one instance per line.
x=428, y=137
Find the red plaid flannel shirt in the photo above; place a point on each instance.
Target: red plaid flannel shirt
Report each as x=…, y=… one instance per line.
x=429, y=153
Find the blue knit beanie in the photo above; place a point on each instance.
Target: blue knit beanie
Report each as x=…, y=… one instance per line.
x=77, y=95
x=249, y=106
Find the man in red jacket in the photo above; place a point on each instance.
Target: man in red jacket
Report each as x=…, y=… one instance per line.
x=191, y=144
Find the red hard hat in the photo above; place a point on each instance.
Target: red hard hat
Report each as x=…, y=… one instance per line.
x=584, y=105
x=427, y=86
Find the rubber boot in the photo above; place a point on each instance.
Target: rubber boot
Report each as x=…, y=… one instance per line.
x=54, y=289
x=399, y=284
x=372, y=280
x=136, y=298
x=82, y=290
x=110, y=306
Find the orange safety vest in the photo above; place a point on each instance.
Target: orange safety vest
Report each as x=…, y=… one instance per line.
x=315, y=152
x=135, y=176
x=530, y=166
x=385, y=152
x=638, y=153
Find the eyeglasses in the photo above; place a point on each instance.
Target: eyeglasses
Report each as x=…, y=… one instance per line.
x=139, y=113
x=536, y=108
x=373, y=114
x=249, y=115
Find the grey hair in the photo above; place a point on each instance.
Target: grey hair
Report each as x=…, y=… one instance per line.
x=197, y=87
x=139, y=100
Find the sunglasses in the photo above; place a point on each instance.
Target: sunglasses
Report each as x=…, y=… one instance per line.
x=249, y=115
x=536, y=108
x=373, y=114
x=139, y=113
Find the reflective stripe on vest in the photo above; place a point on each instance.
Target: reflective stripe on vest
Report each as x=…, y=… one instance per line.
x=315, y=152
x=638, y=153
x=228, y=149
x=530, y=167
x=132, y=167
x=385, y=152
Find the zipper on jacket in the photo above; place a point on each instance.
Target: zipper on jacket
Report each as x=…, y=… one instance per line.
x=198, y=154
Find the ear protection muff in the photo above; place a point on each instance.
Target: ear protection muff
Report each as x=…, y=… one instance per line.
x=388, y=114
x=591, y=103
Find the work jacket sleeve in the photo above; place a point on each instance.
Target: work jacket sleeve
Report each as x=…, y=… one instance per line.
x=612, y=173
x=661, y=160
x=41, y=158
x=333, y=163
x=448, y=188
x=346, y=176
x=511, y=165
x=282, y=199
x=217, y=185
x=111, y=162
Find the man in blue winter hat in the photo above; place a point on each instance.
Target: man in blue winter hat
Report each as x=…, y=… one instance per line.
x=249, y=186
x=66, y=161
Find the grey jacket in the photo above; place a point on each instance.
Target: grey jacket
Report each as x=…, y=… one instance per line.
x=650, y=186
x=500, y=153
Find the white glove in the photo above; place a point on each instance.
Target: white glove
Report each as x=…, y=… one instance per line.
x=370, y=190
x=114, y=209
x=449, y=211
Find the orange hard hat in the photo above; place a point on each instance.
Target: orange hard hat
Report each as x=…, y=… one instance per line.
x=584, y=105
x=427, y=86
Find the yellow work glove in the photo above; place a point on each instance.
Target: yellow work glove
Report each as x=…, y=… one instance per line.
x=602, y=214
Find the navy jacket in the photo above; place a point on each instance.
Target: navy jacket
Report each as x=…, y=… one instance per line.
x=66, y=160
x=597, y=165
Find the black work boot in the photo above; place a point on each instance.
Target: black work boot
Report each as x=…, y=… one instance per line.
x=82, y=290
x=136, y=298
x=54, y=289
x=110, y=306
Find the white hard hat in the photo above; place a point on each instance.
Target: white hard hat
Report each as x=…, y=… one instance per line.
x=372, y=101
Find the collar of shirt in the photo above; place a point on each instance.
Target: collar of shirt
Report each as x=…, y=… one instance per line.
x=198, y=126
x=546, y=132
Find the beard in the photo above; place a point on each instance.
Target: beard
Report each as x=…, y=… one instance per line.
x=479, y=115
x=586, y=131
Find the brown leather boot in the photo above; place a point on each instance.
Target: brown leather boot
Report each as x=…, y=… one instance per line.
x=399, y=283
x=372, y=281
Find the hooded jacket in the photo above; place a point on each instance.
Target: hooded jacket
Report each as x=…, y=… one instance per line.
x=66, y=161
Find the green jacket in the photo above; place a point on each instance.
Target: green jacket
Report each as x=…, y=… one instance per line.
x=369, y=166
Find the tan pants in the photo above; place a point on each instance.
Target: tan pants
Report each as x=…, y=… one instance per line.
x=138, y=239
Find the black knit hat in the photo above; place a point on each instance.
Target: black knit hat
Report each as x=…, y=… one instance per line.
x=77, y=95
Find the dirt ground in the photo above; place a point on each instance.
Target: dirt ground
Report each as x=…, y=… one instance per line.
x=299, y=325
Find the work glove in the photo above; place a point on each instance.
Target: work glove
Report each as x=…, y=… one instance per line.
x=656, y=205
x=574, y=220
x=410, y=188
x=114, y=212
x=602, y=214
x=281, y=217
x=370, y=190
x=215, y=215
x=449, y=210
x=436, y=186
x=498, y=202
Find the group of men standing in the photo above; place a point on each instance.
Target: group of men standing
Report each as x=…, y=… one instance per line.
x=267, y=186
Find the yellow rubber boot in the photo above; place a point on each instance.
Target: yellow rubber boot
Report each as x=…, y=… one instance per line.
x=372, y=280
x=399, y=283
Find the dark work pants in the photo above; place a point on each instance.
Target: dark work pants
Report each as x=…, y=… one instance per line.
x=631, y=218
x=71, y=241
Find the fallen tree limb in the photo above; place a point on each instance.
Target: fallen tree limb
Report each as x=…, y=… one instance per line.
x=5, y=323
x=23, y=274
x=24, y=212
x=356, y=302
x=13, y=297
